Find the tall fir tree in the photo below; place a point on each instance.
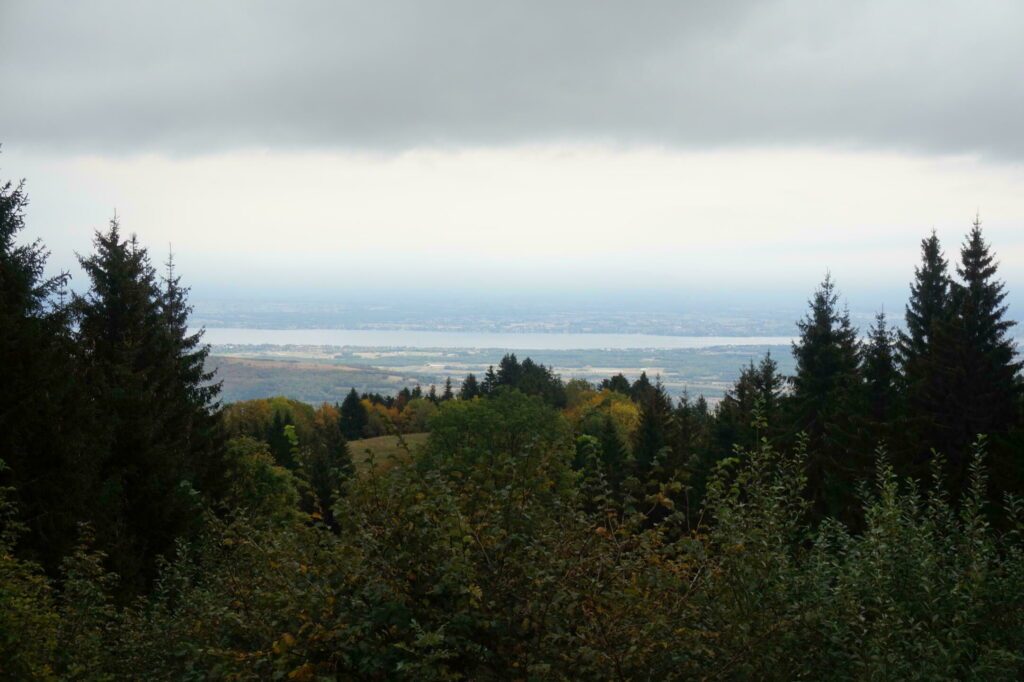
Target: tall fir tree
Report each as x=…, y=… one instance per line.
x=277, y=439
x=929, y=304
x=693, y=432
x=470, y=389
x=979, y=363
x=448, y=393
x=44, y=419
x=402, y=398
x=490, y=382
x=193, y=388
x=618, y=383
x=509, y=371
x=881, y=377
x=925, y=382
x=539, y=380
x=614, y=454
x=758, y=390
x=354, y=416
x=826, y=399
x=654, y=432
x=641, y=387
x=156, y=447
x=326, y=467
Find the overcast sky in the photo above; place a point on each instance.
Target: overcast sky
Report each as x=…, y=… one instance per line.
x=543, y=146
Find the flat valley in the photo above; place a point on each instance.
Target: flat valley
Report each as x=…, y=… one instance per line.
x=324, y=373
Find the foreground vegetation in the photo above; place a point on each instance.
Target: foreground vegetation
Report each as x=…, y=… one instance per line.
x=493, y=559
x=542, y=530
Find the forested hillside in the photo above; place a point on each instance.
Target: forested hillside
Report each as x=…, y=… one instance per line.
x=858, y=519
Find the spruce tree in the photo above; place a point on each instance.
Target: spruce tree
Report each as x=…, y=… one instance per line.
x=925, y=381
x=641, y=387
x=44, y=419
x=490, y=382
x=278, y=441
x=693, y=431
x=536, y=379
x=353, y=417
x=980, y=308
x=448, y=394
x=470, y=389
x=878, y=365
x=825, y=400
x=509, y=371
x=978, y=361
x=929, y=303
x=769, y=385
x=758, y=389
x=193, y=389
x=156, y=445
x=653, y=434
x=618, y=383
x=614, y=454
x=402, y=399
x=326, y=466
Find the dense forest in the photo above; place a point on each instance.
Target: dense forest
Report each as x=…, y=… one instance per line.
x=859, y=519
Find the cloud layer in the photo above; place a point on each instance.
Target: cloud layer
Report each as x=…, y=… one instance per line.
x=180, y=78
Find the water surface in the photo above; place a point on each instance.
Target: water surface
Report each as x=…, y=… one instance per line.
x=392, y=338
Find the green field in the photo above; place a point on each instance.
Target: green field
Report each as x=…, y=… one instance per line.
x=384, y=448
x=316, y=374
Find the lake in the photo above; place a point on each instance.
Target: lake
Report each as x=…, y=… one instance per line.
x=392, y=338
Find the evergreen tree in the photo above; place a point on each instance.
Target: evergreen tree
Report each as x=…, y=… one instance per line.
x=432, y=394
x=690, y=428
x=448, y=394
x=326, y=466
x=767, y=389
x=44, y=419
x=617, y=383
x=194, y=393
x=757, y=392
x=929, y=303
x=278, y=442
x=614, y=454
x=640, y=388
x=694, y=449
x=825, y=400
x=403, y=398
x=469, y=389
x=653, y=434
x=156, y=444
x=490, y=382
x=539, y=380
x=978, y=361
x=925, y=382
x=509, y=371
x=878, y=366
x=354, y=416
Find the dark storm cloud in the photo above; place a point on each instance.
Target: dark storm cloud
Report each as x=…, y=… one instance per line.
x=187, y=77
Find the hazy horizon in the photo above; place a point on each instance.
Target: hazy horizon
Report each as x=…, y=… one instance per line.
x=551, y=154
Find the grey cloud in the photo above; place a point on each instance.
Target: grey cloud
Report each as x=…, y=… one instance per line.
x=121, y=77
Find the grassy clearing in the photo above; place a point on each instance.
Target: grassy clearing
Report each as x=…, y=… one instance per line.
x=383, y=448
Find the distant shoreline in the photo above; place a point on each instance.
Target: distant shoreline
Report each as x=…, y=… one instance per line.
x=513, y=341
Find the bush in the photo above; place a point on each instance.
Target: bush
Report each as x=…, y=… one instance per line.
x=477, y=559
